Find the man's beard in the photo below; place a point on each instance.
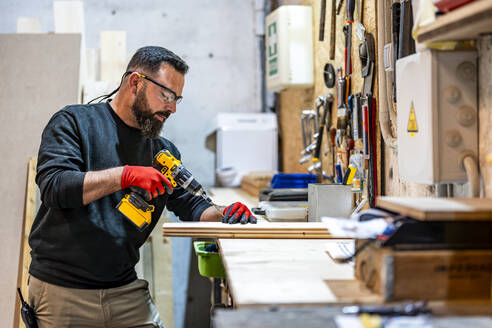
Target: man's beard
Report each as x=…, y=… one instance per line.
x=149, y=125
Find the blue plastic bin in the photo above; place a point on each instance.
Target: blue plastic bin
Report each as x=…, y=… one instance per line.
x=294, y=180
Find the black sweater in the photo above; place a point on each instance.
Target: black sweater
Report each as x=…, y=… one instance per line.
x=93, y=246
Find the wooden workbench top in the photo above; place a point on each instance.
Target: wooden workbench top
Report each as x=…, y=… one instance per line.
x=265, y=272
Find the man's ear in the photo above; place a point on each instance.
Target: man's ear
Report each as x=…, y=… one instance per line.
x=133, y=82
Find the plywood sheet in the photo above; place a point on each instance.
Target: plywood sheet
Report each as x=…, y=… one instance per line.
x=439, y=208
x=43, y=76
x=69, y=18
x=266, y=272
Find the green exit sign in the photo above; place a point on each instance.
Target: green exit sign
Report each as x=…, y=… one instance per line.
x=272, y=49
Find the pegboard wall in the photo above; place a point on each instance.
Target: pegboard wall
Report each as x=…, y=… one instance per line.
x=293, y=101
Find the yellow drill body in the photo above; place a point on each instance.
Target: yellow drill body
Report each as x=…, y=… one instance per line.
x=137, y=210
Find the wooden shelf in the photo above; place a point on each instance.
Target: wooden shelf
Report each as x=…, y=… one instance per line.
x=465, y=23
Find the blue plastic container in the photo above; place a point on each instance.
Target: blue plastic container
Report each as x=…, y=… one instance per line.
x=294, y=180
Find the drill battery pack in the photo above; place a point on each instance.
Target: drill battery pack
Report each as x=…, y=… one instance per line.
x=136, y=209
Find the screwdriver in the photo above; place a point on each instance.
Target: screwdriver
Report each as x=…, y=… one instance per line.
x=350, y=11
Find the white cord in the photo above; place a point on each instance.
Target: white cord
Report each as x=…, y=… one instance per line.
x=472, y=175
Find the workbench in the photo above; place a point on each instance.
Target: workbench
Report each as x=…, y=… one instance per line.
x=299, y=272
x=265, y=271
x=279, y=271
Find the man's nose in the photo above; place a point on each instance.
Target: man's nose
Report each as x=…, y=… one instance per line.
x=170, y=107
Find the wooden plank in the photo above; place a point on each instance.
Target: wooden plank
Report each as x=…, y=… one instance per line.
x=260, y=226
x=464, y=23
x=438, y=208
x=113, y=56
x=28, y=25
x=29, y=213
x=68, y=17
x=260, y=230
x=253, y=236
x=269, y=272
x=29, y=98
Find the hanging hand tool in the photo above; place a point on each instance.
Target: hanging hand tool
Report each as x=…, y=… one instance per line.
x=357, y=161
x=348, y=36
x=333, y=30
x=329, y=75
x=341, y=107
x=367, y=55
x=339, y=167
x=372, y=178
x=361, y=30
x=339, y=7
x=365, y=126
x=309, y=126
x=327, y=102
x=347, y=31
x=348, y=131
x=322, y=21
x=406, y=43
x=395, y=34
x=349, y=175
x=333, y=132
x=349, y=139
x=341, y=89
x=356, y=117
x=329, y=108
x=350, y=11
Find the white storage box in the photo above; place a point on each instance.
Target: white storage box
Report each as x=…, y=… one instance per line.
x=244, y=142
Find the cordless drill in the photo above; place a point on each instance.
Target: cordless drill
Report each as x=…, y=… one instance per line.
x=134, y=206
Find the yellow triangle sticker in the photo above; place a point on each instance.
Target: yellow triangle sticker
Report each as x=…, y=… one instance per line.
x=412, y=126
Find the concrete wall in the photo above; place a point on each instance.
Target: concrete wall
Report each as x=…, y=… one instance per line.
x=215, y=37
x=218, y=39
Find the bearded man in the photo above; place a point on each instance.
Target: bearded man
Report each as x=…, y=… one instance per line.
x=83, y=249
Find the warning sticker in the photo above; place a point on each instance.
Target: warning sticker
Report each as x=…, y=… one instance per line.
x=412, y=126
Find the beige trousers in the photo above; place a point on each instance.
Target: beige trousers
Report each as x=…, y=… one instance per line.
x=121, y=307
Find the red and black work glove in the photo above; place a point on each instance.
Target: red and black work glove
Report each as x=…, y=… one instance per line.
x=238, y=212
x=146, y=180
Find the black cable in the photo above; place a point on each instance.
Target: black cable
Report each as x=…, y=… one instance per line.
x=104, y=97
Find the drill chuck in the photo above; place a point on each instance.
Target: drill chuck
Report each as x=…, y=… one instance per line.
x=178, y=174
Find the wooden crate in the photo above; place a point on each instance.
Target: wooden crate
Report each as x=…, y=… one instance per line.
x=427, y=275
x=253, y=182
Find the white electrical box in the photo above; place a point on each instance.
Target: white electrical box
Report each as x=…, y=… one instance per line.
x=437, y=115
x=289, y=48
